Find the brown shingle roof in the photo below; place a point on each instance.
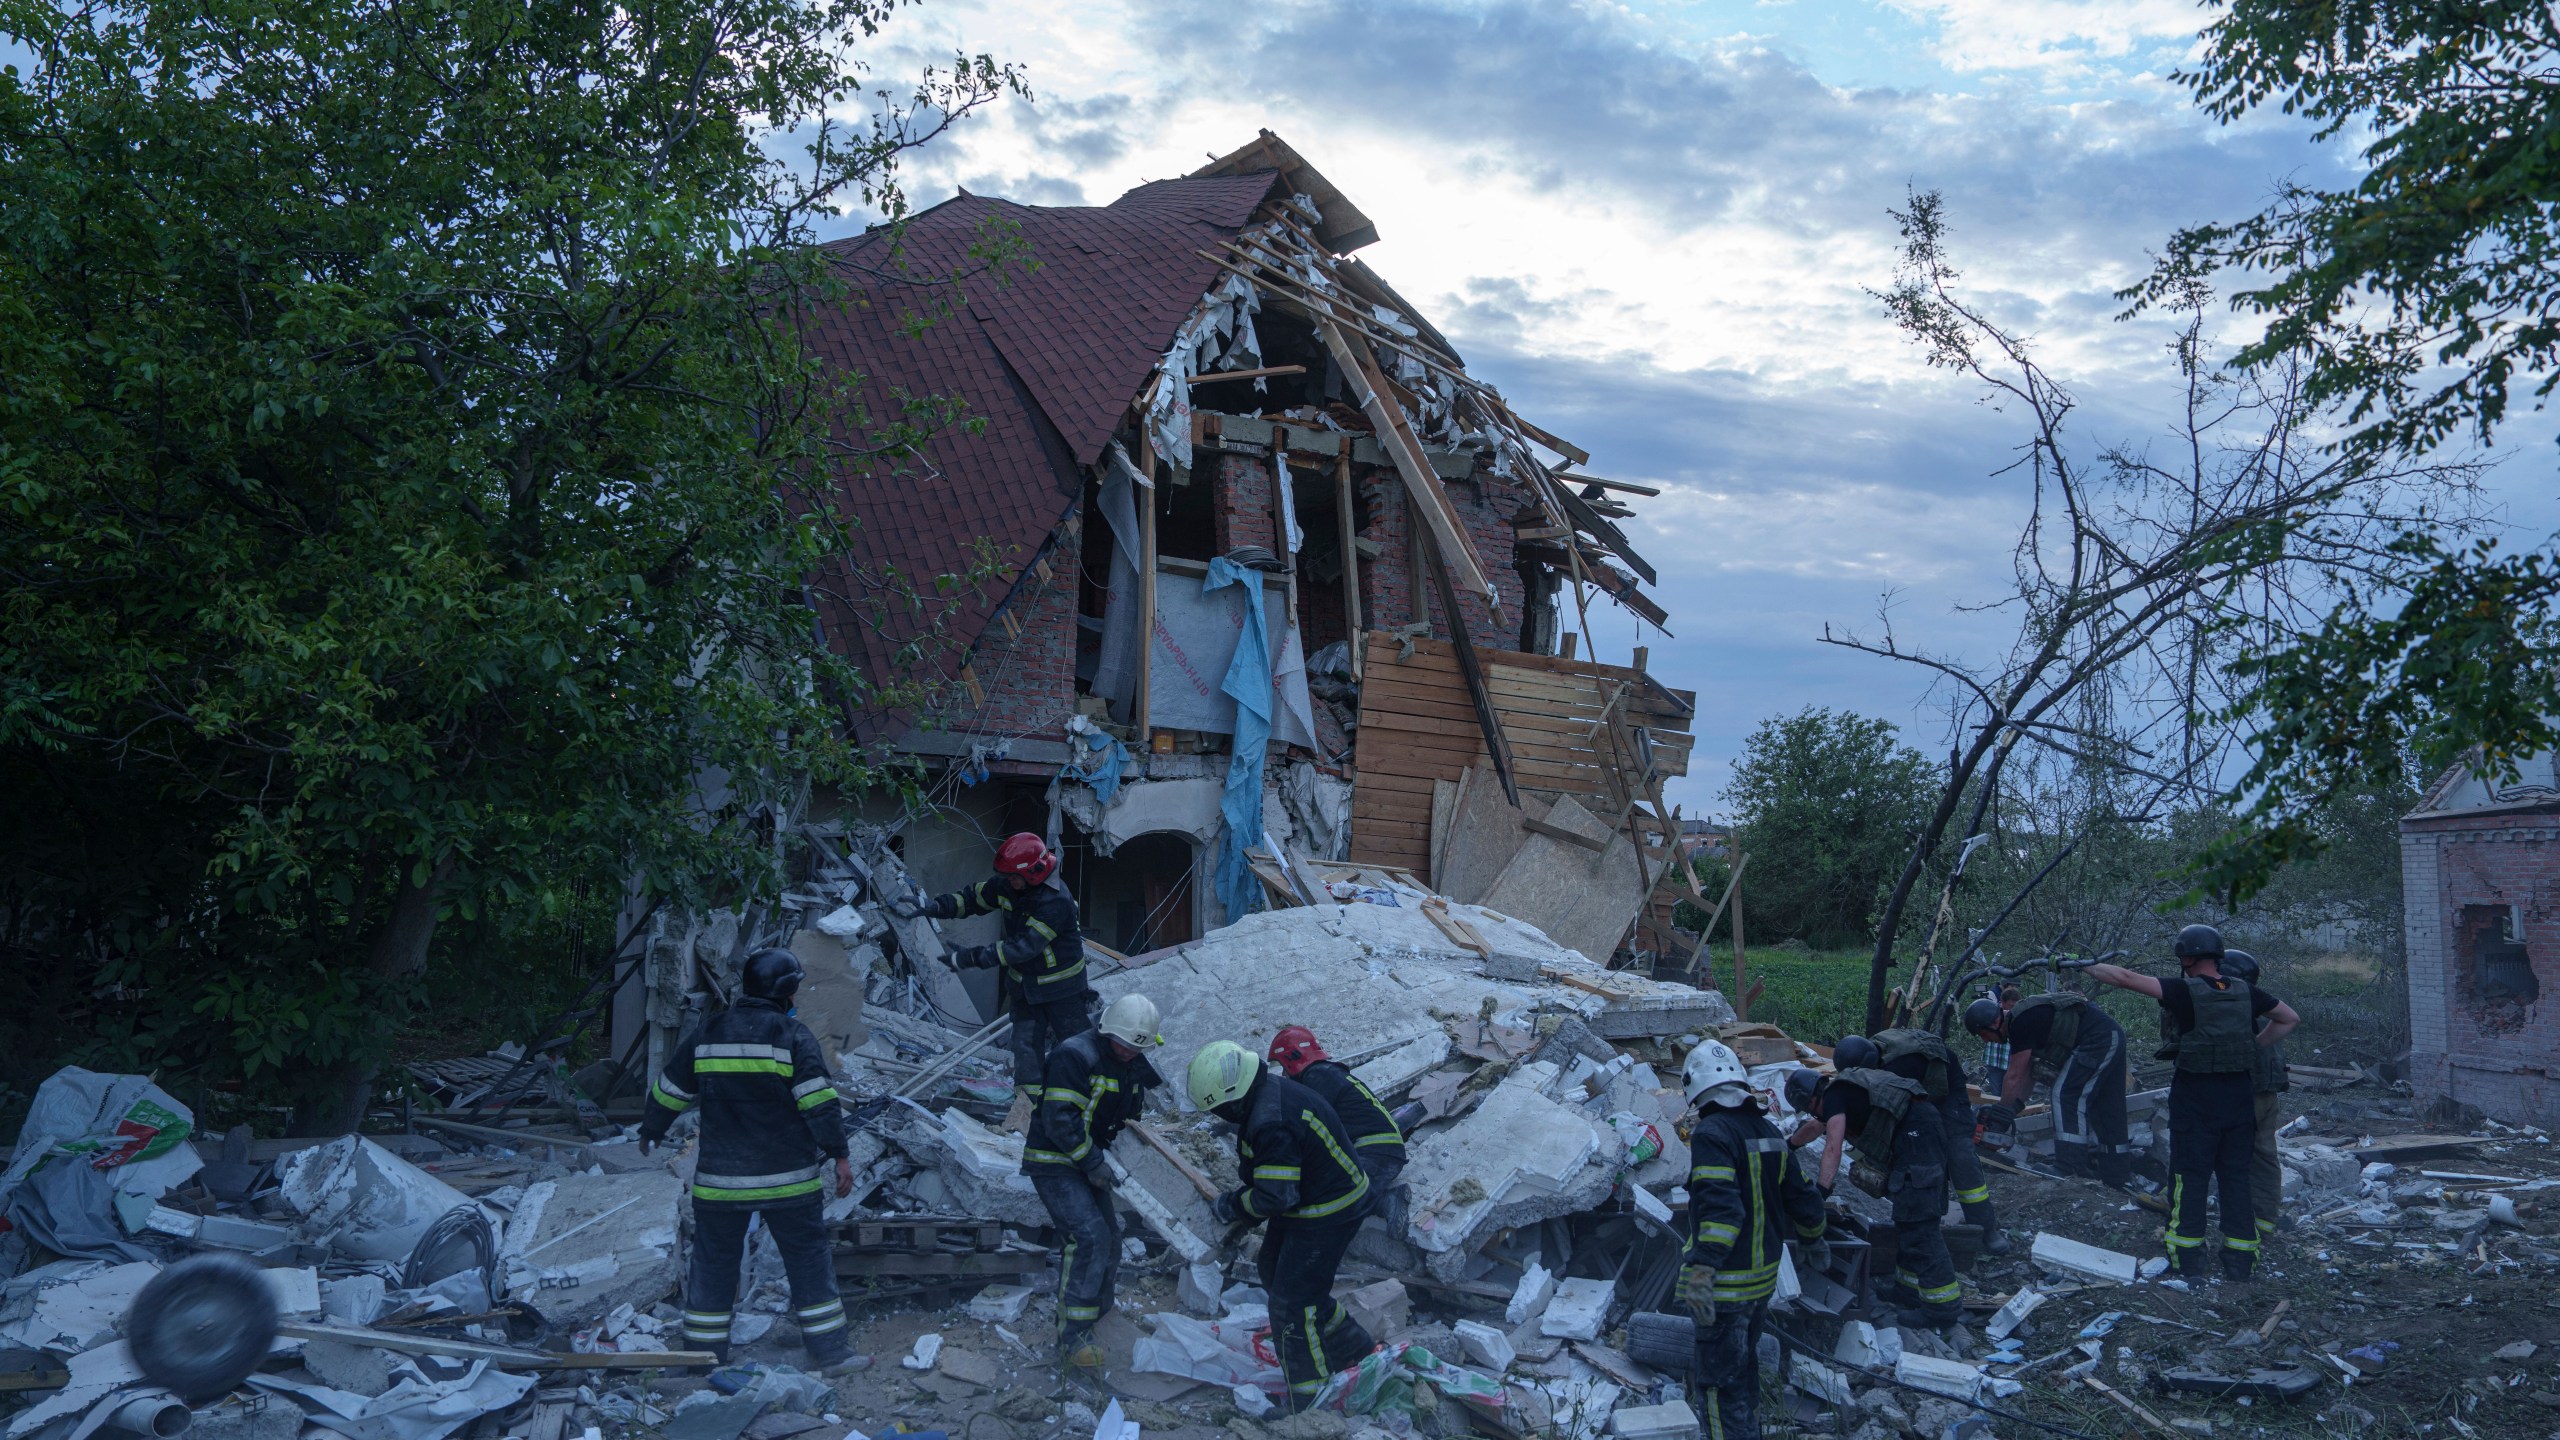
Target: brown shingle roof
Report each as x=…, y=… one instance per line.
x=1049, y=361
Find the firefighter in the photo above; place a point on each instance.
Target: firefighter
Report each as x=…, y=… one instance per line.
x=1894, y=1129
x=1742, y=1179
x=1093, y=1085
x=2062, y=1039
x=770, y=1121
x=1041, y=954
x=2213, y=1103
x=1377, y=1141
x=2266, y=1166
x=1300, y=1181
x=1933, y=1065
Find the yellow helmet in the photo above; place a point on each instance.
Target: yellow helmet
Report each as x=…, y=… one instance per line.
x=1220, y=1074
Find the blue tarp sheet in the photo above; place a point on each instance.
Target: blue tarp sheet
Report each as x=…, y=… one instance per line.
x=1248, y=680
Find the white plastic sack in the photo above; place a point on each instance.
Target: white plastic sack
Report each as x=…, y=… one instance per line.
x=1219, y=1352
x=362, y=1200
x=123, y=1124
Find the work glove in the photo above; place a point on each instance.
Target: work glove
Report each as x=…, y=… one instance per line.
x=906, y=907
x=1698, y=1294
x=2000, y=1117
x=1102, y=1180
x=1813, y=1257
x=1226, y=1208
x=974, y=957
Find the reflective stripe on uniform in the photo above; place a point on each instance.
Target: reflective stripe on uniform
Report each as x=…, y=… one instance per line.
x=822, y=1319
x=2249, y=1247
x=1275, y=1172
x=709, y=1325
x=1359, y=1177
x=780, y=1185
x=1077, y=1098
x=742, y=1052
x=670, y=1096
x=1381, y=1138
x=1712, y=1172
x=1974, y=1196
x=741, y=1065
x=1946, y=1294
x=824, y=1095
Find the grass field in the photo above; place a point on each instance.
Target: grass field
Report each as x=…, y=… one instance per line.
x=1821, y=995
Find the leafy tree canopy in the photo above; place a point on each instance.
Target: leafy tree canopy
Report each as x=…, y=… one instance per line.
x=410, y=479
x=1825, y=803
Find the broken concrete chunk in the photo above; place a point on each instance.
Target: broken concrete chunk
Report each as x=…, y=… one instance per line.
x=1578, y=1309
x=361, y=1200
x=1863, y=1345
x=1670, y=1421
x=1486, y=1345
x=1818, y=1380
x=1951, y=1378
x=1529, y=1298
x=928, y=1349
x=2055, y=1252
x=297, y=1292
x=2019, y=1307
x=2520, y=1350
x=1383, y=1309
x=357, y=1369
x=1000, y=1304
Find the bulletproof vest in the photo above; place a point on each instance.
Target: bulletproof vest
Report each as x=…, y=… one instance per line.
x=2272, y=1076
x=2222, y=1040
x=1889, y=1098
x=1905, y=1043
x=2065, y=1035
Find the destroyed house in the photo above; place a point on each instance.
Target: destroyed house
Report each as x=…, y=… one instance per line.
x=1190, y=396
x=2480, y=871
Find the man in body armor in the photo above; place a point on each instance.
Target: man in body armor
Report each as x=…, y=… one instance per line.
x=1041, y=955
x=2266, y=1166
x=2213, y=1095
x=1932, y=1064
x=1742, y=1179
x=1893, y=1128
x=2063, y=1040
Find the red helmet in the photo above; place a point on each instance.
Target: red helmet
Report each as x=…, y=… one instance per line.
x=1027, y=856
x=1294, y=1049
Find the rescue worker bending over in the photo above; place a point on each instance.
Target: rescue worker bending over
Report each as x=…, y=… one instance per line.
x=1377, y=1142
x=769, y=1122
x=1893, y=1128
x=2063, y=1040
x=2266, y=1165
x=1301, y=1182
x=1742, y=1179
x=1932, y=1064
x=1094, y=1085
x=1041, y=953
x=2213, y=1103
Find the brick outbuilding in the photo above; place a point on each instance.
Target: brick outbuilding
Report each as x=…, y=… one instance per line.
x=2480, y=867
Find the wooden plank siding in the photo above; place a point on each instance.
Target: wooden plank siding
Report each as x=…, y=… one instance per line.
x=1417, y=725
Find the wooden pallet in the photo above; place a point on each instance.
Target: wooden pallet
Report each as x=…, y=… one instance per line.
x=921, y=1235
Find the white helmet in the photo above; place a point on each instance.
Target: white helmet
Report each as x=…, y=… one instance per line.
x=1713, y=1074
x=1131, y=1020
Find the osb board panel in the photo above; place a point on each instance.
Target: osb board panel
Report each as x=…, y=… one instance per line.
x=1418, y=729
x=1484, y=832
x=1580, y=899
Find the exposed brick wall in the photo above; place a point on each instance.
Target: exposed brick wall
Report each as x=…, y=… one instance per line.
x=1388, y=584
x=2496, y=1055
x=1242, y=498
x=1029, y=679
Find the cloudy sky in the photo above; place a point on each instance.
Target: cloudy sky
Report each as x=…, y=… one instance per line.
x=1653, y=225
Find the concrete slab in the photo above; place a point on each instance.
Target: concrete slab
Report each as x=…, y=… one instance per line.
x=588, y=1223
x=1518, y=1157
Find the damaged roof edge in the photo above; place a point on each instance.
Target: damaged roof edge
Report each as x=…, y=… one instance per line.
x=1345, y=228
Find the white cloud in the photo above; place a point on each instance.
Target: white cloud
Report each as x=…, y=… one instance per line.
x=1976, y=35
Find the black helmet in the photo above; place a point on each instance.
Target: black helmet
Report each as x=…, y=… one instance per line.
x=1983, y=1016
x=1855, y=1052
x=1801, y=1084
x=2199, y=942
x=2240, y=965
x=773, y=974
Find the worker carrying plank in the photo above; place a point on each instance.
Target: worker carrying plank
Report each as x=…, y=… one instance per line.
x=2213, y=1103
x=1377, y=1141
x=1742, y=1180
x=1041, y=955
x=770, y=1123
x=1889, y=1122
x=1094, y=1084
x=2064, y=1040
x=1294, y=1154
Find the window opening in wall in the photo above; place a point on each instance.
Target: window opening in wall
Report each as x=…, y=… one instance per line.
x=1138, y=897
x=2492, y=945
x=1186, y=515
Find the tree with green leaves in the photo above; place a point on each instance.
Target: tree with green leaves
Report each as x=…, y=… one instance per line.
x=412, y=484
x=2423, y=302
x=1824, y=803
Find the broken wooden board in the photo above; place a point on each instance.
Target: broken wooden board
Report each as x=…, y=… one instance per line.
x=1460, y=933
x=2394, y=1149
x=1444, y=806
x=1583, y=901
x=2284, y=1382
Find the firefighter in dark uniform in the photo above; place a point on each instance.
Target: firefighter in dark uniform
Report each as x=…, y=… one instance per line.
x=1041, y=953
x=2266, y=1165
x=1742, y=1181
x=1094, y=1085
x=2064, y=1040
x=1934, y=1065
x=2213, y=1102
x=770, y=1122
x=1300, y=1181
x=1893, y=1128
x=1377, y=1142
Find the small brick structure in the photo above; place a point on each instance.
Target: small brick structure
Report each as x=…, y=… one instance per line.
x=2480, y=873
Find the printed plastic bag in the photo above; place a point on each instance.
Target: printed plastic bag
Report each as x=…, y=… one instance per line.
x=120, y=1123
x=1642, y=1141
